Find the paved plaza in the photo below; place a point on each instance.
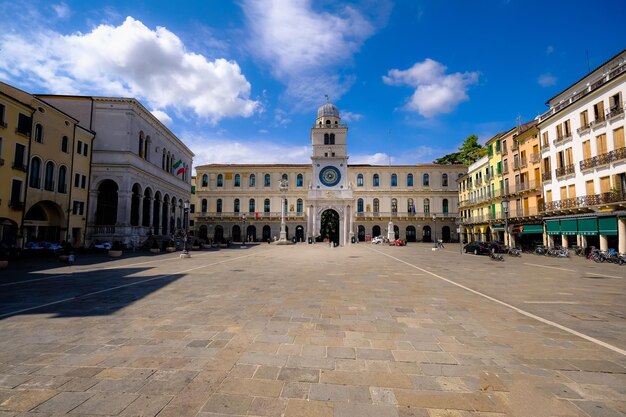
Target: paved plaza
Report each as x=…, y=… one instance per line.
x=313, y=331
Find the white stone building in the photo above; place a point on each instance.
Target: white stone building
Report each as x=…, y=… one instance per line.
x=584, y=160
x=328, y=199
x=140, y=172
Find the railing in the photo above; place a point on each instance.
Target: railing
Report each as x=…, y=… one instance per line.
x=583, y=129
x=604, y=159
x=505, y=168
x=546, y=176
x=561, y=139
x=614, y=112
x=103, y=230
x=330, y=126
x=545, y=145
x=505, y=151
x=393, y=214
x=523, y=212
x=249, y=216
x=599, y=120
x=565, y=170
x=514, y=145
x=520, y=163
x=526, y=186
x=585, y=201
x=479, y=181
x=577, y=96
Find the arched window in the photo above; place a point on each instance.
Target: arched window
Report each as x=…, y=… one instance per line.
x=146, y=148
x=219, y=205
x=394, y=205
x=38, y=133
x=220, y=180
x=48, y=183
x=359, y=205
x=252, y=180
x=327, y=122
x=376, y=205
x=141, y=145
x=35, y=173
x=444, y=180
x=251, y=205
x=394, y=180
x=332, y=139
x=409, y=180
x=237, y=181
x=376, y=180
x=359, y=180
x=426, y=180
x=236, y=205
x=268, y=181
x=266, y=205
x=410, y=206
x=326, y=139
x=62, y=187
x=426, y=206
x=299, y=180
x=445, y=205
x=64, y=144
x=285, y=177
x=163, y=160
x=299, y=205
x=205, y=180
x=204, y=205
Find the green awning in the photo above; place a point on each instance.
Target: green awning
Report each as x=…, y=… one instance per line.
x=553, y=227
x=569, y=227
x=607, y=226
x=527, y=229
x=588, y=227
x=497, y=227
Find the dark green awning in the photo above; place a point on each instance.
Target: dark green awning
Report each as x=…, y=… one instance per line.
x=553, y=227
x=569, y=227
x=588, y=227
x=607, y=226
x=497, y=227
x=531, y=228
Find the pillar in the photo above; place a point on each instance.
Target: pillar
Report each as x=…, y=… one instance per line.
x=550, y=241
x=583, y=241
x=604, y=243
x=621, y=235
x=564, y=241
x=512, y=240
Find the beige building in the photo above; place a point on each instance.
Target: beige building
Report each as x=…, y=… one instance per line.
x=327, y=199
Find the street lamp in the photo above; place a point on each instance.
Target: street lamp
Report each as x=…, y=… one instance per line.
x=505, y=208
x=185, y=253
x=435, y=229
x=458, y=233
x=245, y=236
x=283, y=190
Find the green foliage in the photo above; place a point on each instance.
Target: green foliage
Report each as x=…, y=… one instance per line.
x=468, y=153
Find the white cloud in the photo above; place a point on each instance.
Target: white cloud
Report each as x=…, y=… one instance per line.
x=372, y=159
x=435, y=91
x=302, y=45
x=62, y=10
x=162, y=116
x=129, y=60
x=348, y=116
x=546, y=80
x=549, y=50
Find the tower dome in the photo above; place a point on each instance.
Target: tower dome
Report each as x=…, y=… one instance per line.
x=328, y=109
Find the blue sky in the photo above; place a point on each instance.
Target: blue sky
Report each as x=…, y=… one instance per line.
x=240, y=81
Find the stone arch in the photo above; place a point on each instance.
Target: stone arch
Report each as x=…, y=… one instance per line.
x=106, y=205
x=134, y=204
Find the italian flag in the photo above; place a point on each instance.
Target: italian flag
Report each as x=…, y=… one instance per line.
x=178, y=166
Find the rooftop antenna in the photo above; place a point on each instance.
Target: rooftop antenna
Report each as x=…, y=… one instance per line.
x=327, y=98
x=519, y=123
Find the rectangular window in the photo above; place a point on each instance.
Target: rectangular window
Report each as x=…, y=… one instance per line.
x=560, y=160
x=490, y=150
x=497, y=146
x=569, y=156
x=563, y=193
x=589, y=187
x=584, y=119
x=571, y=191
x=16, y=193
x=601, y=144
x=85, y=149
x=499, y=167
x=605, y=184
x=615, y=102
x=566, y=129
x=598, y=111
x=2, y=120
x=192, y=208
x=83, y=181
x=549, y=196
x=78, y=208
x=79, y=147
x=76, y=180
x=546, y=142
x=618, y=138
x=559, y=131
x=18, y=160
x=587, y=149
x=24, y=124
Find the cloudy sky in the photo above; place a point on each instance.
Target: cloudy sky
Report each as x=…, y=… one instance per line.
x=240, y=81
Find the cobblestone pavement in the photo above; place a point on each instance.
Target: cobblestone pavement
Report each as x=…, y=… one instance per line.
x=308, y=330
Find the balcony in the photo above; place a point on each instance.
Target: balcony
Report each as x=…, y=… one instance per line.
x=545, y=145
x=514, y=145
x=583, y=129
x=546, y=176
x=600, y=121
x=505, y=151
x=566, y=170
x=614, y=112
x=364, y=215
x=505, y=169
x=588, y=201
x=562, y=139
x=16, y=205
x=527, y=186
x=519, y=164
x=517, y=212
x=604, y=159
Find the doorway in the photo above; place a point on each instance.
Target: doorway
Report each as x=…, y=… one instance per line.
x=329, y=226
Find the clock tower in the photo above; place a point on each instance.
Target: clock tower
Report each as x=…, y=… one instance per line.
x=330, y=189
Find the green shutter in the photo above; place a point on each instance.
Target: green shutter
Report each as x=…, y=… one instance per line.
x=490, y=150
x=500, y=168
x=553, y=227
x=607, y=226
x=588, y=227
x=497, y=146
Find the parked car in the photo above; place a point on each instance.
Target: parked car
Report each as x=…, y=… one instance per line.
x=377, y=240
x=477, y=248
x=497, y=247
x=398, y=242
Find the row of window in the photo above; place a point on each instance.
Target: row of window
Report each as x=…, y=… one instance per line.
x=251, y=205
x=35, y=176
x=410, y=206
x=168, y=160
x=267, y=180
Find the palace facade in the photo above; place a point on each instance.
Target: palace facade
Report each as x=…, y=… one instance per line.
x=327, y=199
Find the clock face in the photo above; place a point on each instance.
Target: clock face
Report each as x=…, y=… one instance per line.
x=330, y=176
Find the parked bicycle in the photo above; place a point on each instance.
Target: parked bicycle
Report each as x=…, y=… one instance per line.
x=496, y=256
x=515, y=252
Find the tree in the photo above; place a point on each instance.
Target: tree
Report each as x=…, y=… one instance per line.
x=468, y=153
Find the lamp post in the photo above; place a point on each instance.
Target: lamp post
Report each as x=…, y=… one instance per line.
x=505, y=208
x=245, y=236
x=435, y=229
x=458, y=233
x=185, y=253
x=283, y=190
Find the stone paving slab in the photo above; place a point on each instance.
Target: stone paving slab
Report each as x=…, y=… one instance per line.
x=308, y=330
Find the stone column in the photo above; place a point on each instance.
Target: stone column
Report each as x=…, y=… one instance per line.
x=550, y=241
x=583, y=241
x=564, y=241
x=604, y=243
x=621, y=235
x=512, y=240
